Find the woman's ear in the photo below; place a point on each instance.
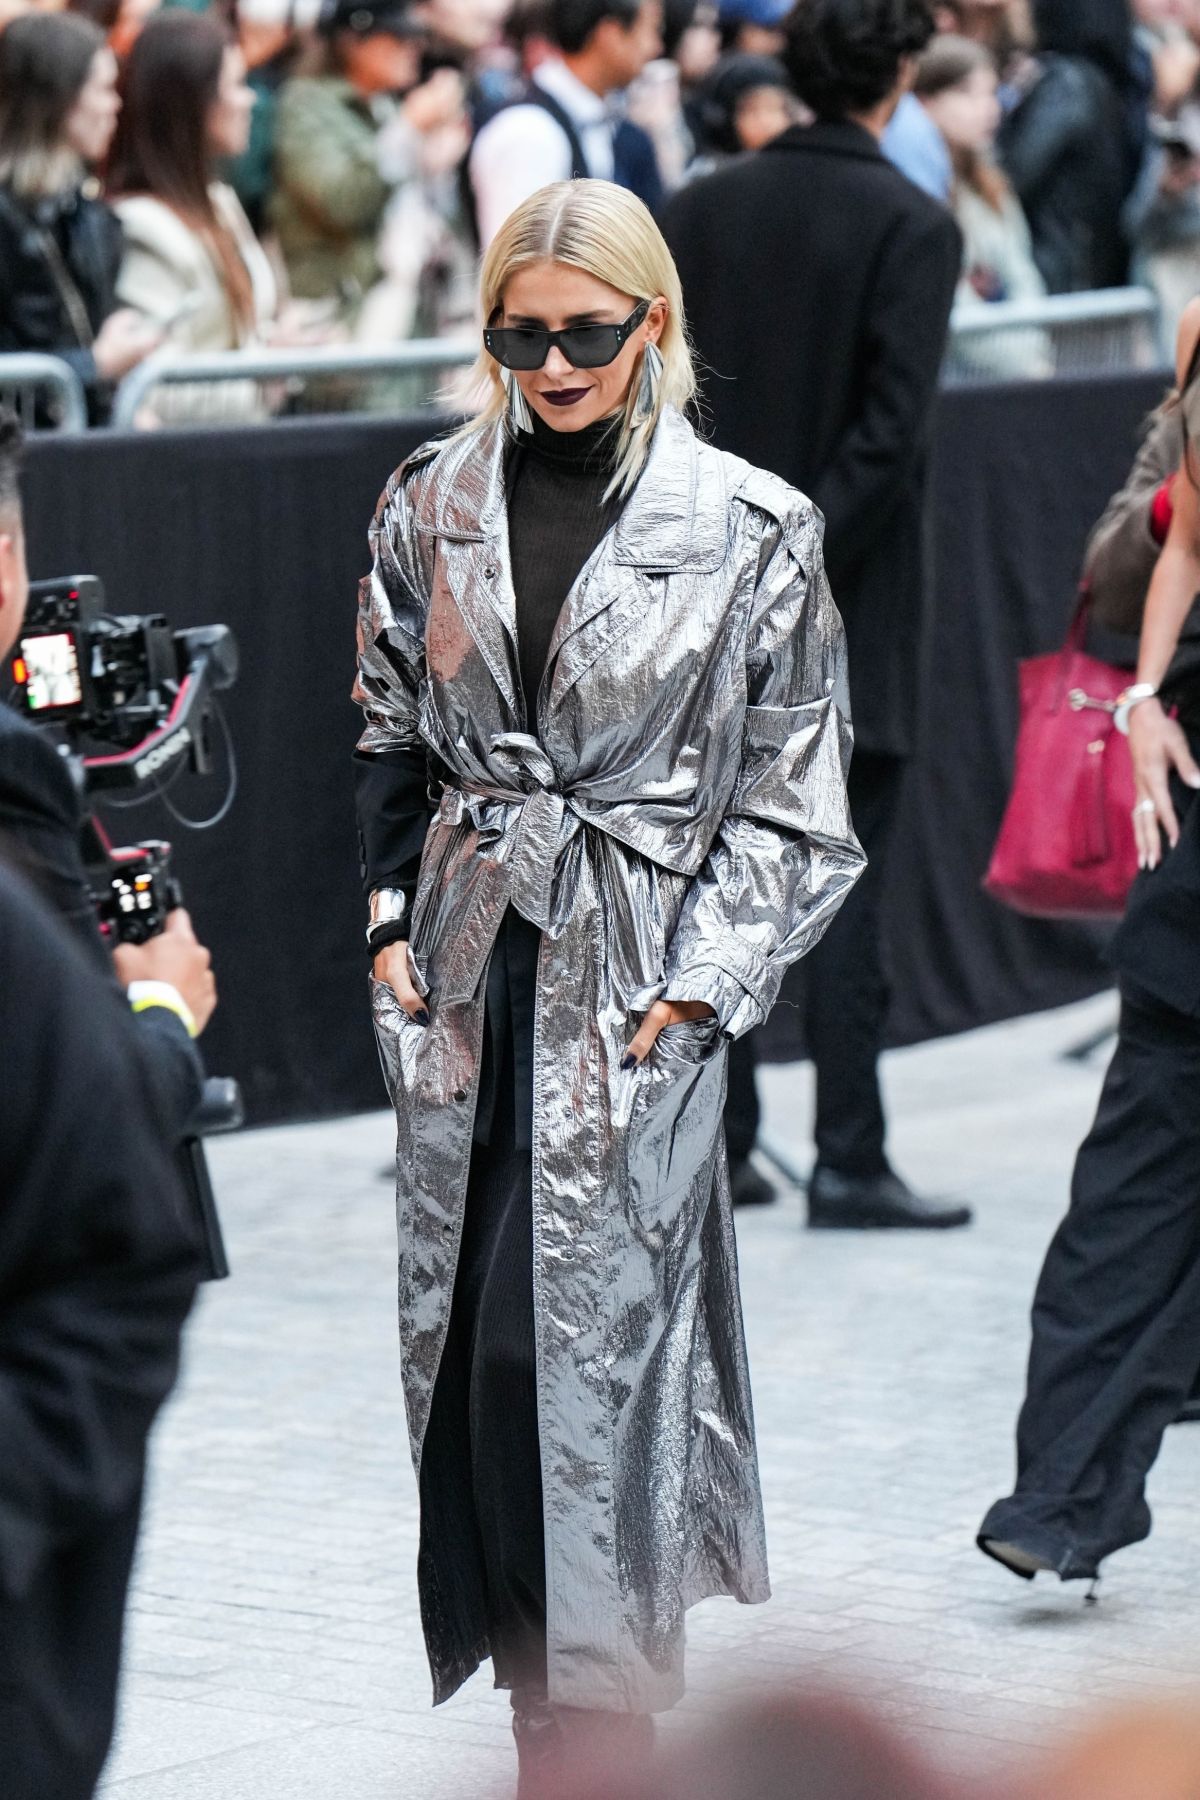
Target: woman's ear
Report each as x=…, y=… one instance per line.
x=656, y=319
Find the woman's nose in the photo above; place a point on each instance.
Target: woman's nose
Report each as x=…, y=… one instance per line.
x=556, y=363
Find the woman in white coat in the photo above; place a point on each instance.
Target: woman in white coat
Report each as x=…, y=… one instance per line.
x=191, y=262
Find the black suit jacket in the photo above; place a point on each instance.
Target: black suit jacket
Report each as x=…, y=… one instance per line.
x=818, y=284
x=95, y=1282
x=40, y=831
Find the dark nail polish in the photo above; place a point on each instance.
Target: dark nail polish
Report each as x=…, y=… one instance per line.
x=629, y=1060
x=422, y=1017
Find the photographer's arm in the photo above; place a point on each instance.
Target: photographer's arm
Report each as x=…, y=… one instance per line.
x=40, y=825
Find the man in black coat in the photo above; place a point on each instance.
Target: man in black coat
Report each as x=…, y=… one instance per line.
x=96, y=1279
x=818, y=284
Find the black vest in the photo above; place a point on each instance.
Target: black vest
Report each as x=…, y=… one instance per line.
x=635, y=165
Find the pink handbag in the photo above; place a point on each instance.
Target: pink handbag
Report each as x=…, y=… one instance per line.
x=1066, y=846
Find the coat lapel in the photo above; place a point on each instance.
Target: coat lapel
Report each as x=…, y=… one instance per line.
x=675, y=518
x=462, y=506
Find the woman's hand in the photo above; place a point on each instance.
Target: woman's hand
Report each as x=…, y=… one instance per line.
x=391, y=966
x=662, y=1013
x=125, y=339
x=299, y=326
x=1157, y=745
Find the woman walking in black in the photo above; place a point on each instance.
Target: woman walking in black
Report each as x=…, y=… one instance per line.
x=1116, y=1316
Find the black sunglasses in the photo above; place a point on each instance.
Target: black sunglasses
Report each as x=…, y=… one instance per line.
x=584, y=346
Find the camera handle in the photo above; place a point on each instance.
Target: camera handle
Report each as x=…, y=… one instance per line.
x=184, y=731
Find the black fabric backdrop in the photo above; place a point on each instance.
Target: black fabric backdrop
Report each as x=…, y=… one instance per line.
x=264, y=529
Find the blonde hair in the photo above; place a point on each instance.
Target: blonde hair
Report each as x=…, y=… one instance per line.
x=607, y=232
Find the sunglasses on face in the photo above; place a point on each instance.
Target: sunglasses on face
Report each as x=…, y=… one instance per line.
x=584, y=346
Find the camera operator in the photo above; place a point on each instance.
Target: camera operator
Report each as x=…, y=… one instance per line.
x=95, y=1284
x=168, y=980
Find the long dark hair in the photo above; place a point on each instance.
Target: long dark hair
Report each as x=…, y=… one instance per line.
x=948, y=62
x=45, y=60
x=169, y=84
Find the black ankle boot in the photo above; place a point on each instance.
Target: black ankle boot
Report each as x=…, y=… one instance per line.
x=538, y=1733
x=555, y=1742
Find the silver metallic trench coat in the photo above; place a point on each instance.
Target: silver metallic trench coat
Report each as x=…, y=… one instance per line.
x=675, y=822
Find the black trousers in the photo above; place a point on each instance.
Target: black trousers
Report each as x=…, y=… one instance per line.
x=846, y=1001
x=1116, y=1316
x=483, y=1554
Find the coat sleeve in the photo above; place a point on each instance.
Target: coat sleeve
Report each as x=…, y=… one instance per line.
x=1052, y=121
x=151, y=281
x=40, y=824
x=786, y=855
x=1122, y=550
x=391, y=782
x=903, y=345
x=95, y=1276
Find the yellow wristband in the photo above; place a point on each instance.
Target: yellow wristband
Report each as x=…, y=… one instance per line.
x=142, y=995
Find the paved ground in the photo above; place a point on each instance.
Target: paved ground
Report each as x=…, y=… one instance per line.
x=274, y=1650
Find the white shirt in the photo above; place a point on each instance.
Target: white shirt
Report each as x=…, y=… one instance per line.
x=523, y=148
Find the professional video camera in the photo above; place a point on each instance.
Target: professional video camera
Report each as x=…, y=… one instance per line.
x=132, y=703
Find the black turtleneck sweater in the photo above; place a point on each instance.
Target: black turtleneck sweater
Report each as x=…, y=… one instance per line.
x=557, y=514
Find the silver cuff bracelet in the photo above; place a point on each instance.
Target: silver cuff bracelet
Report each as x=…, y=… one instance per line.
x=387, y=906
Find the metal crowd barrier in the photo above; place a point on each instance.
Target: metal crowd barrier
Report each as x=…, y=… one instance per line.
x=26, y=375
x=1062, y=334
x=289, y=369
x=1115, y=328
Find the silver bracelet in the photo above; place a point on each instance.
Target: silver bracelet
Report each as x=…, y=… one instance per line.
x=1132, y=696
x=388, y=906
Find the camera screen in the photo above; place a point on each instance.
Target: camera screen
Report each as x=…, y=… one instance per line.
x=52, y=671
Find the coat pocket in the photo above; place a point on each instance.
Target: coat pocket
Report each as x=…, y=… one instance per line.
x=676, y=1115
x=397, y=1038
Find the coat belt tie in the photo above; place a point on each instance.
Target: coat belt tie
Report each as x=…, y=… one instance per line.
x=536, y=823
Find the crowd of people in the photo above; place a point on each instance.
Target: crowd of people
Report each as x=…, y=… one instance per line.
x=255, y=172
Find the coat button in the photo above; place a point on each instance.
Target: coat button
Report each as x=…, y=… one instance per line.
x=447, y=1229
x=460, y=1093
x=489, y=574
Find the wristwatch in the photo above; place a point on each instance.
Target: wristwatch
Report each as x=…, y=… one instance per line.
x=388, y=908
x=1131, y=697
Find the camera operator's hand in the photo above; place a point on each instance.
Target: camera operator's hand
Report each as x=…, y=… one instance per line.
x=391, y=965
x=176, y=957
x=124, y=339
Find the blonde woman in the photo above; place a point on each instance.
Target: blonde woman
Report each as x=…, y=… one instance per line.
x=609, y=655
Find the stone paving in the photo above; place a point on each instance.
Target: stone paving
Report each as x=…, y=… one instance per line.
x=274, y=1650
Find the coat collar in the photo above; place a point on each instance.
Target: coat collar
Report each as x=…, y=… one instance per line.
x=676, y=515
x=676, y=518
x=828, y=137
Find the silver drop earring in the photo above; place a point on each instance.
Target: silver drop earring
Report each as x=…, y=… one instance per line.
x=647, y=399
x=518, y=407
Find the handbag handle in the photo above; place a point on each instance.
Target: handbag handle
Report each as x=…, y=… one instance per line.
x=1077, y=630
x=1073, y=645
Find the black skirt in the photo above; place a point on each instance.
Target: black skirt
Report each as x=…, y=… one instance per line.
x=482, y=1563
